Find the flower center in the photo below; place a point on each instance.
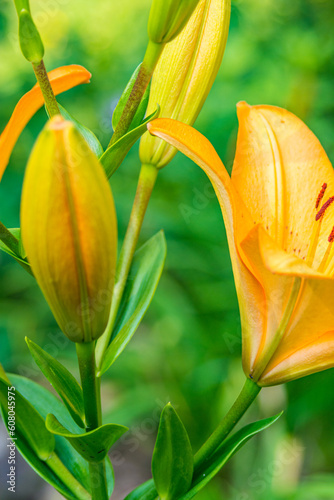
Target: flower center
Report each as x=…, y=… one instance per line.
x=320, y=213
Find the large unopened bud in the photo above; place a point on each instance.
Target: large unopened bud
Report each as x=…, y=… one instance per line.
x=167, y=18
x=69, y=230
x=185, y=73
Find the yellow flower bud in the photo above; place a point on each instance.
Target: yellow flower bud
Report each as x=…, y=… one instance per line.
x=167, y=18
x=69, y=230
x=185, y=73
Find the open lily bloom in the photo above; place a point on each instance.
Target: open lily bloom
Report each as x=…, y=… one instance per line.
x=279, y=222
x=61, y=79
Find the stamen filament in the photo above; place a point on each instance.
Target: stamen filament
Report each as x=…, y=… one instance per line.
x=323, y=263
x=314, y=242
x=325, y=258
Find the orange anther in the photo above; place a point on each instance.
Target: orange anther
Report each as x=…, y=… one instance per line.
x=321, y=195
x=324, y=207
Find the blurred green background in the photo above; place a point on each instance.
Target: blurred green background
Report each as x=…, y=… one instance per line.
x=188, y=348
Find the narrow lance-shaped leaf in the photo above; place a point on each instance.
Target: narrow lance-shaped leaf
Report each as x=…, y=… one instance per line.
x=93, y=446
x=224, y=453
x=172, y=462
x=143, y=280
x=62, y=380
x=20, y=257
x=202, y=476
x=115, y=154
x=146, y=491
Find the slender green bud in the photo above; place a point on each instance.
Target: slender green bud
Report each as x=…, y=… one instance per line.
x=185, y=73
x=30, y=41
x=168, y=17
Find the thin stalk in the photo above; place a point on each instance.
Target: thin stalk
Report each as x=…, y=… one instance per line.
x=45, y=85
x=146, y=182
x=86, y=359
x=246, y=397
x=151, y=58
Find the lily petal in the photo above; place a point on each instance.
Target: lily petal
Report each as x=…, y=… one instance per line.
x=307, y=359
x=61, y=79
x=276, y=288
x=312, y=319
x=312, y=315
x=237, y=222
x=276, y=155
x=282, y=263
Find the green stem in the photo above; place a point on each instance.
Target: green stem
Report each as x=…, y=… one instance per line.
x=45, y=85
x=151, y=58
x=147, y=177
x=246, y=397
x=86, y=358
x=9, y=239
x=66, y=477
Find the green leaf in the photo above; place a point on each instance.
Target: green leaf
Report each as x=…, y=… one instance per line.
x=93, y=446
x=62, y=381
x=28, y=422
x=87, y=134
x=145, y=491
x=224, y=453
x=3, y=375
x=172, y=461
x=140, y=113
x=19, y=257
x=143, y=280
x=115, y=154
x=44, y=402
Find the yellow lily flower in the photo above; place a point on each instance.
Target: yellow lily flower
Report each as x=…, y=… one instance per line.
x=279, y=222
x=69, y=230
x=61, y=79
